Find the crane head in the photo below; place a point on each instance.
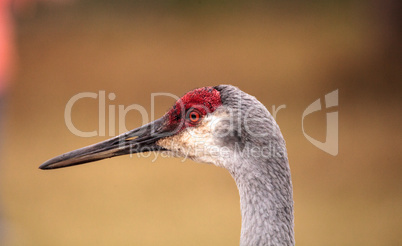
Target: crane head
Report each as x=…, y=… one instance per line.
x=189, y=124
x=208, y=124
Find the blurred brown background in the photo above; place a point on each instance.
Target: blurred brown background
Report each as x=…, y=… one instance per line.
x=290, y=53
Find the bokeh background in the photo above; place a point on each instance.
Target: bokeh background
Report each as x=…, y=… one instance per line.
x=283, y=53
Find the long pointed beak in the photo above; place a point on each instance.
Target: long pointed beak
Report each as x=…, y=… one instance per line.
x=142, y=139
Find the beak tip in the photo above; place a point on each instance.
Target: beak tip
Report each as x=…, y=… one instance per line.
x=50, y=164
x=45, y=166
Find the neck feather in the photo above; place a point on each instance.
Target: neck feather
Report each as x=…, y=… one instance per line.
x=266, y=203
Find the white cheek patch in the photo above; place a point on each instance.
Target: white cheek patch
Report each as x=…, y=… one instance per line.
x=198, y=143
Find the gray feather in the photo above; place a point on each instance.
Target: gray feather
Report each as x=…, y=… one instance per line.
x=261, y=170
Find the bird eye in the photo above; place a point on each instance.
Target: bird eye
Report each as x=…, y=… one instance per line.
x=194, y=116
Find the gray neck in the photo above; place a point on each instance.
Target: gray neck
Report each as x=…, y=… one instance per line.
x=266, y=203
x=260, y=167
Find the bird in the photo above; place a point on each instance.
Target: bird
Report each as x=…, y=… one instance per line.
x=224, y=126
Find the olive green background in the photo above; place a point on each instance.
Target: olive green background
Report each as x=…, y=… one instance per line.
x=284, y=54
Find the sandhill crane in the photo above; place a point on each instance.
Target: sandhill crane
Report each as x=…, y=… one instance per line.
x=229, y=128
